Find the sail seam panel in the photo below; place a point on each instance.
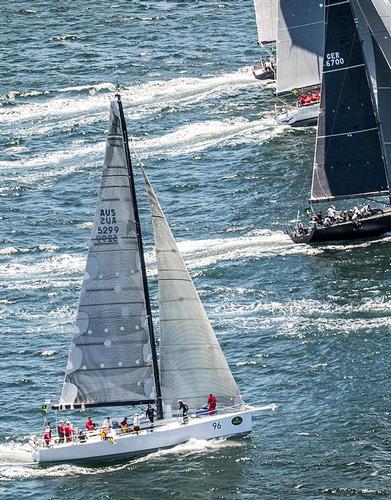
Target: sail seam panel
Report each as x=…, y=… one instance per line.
x=348, y=133
x=301, y=26
x=344, y=68
x=339, y=3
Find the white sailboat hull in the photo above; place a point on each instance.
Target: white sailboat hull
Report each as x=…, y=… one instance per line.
x=305, y=115
x=164, y=435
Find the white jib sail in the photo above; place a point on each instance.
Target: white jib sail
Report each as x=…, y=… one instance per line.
x=110, y=356
x=192, y=364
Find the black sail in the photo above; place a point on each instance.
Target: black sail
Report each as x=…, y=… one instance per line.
x=348, y=155
x=383, y=81
x=377, y=14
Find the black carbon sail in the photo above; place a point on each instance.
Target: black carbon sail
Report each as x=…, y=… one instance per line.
x=348, y=157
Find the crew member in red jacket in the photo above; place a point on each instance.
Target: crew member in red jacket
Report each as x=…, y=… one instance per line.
x=60, y=431
x=90, y=426
x=212, y=404
x=68, y=432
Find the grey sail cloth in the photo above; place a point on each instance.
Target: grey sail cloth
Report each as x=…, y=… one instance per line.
x=192, y=364
x=366, y=37
x=110, y=356
x=377, y=14
x=383, y=80
x=348, y=154
x=266, y=19
x=299, y=44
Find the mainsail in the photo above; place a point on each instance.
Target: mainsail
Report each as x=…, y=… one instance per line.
x=266, y=18
x=348, y=155
x=299, y=43
x=192, y=364
x=110, y=356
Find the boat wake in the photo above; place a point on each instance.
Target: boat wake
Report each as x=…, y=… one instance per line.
x=140, y=99
x=16, y=460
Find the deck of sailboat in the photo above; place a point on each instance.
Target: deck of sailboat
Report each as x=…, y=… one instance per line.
x=165, y=433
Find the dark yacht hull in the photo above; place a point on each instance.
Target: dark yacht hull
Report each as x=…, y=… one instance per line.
x=261, y=73
x=369, y=227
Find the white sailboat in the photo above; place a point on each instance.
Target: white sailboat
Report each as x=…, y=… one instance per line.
x=112, y=359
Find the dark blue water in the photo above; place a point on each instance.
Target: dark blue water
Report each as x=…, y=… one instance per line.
x=306, y=328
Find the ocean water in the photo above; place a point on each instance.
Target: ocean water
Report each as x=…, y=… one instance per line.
x=305, y=328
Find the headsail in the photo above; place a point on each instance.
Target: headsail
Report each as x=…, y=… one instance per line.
x=192, y=364
x=377, y=14
x=348, y=155
x=299, y=43
x=383, y=81
x=266, y=18
x=110, y=356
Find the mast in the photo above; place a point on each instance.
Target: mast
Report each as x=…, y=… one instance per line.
x=142, y=260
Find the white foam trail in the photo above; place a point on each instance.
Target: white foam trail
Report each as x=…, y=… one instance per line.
x=186, y=139
x=58, y=265
x=158, y=94
x=12, y=470
x=202, y=135
x=15, y=453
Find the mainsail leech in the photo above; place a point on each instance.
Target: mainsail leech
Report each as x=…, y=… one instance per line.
x=192, y=364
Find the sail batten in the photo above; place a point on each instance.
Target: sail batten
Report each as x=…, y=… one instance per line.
x=348, y=154
x=110, y=359
x=192, y=364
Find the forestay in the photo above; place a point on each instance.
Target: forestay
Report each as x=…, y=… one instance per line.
x=299, y=43
x=266, y=18
x=348, y=155
x=110, y=355
x=192, y=364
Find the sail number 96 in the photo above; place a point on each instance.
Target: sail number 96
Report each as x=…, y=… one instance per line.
x=334, y=59
x=216, y=425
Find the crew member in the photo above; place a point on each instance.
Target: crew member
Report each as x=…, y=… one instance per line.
x=150, y=413
x=212, y=402
x=185, y=410
x=68, y=432
x=136, y=423
x=60, y=431
x=90, y=426
x=124, y=425
x=47, y=436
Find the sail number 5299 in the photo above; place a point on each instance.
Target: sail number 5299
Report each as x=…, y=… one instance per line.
x=216, y=425
x=334, y=59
